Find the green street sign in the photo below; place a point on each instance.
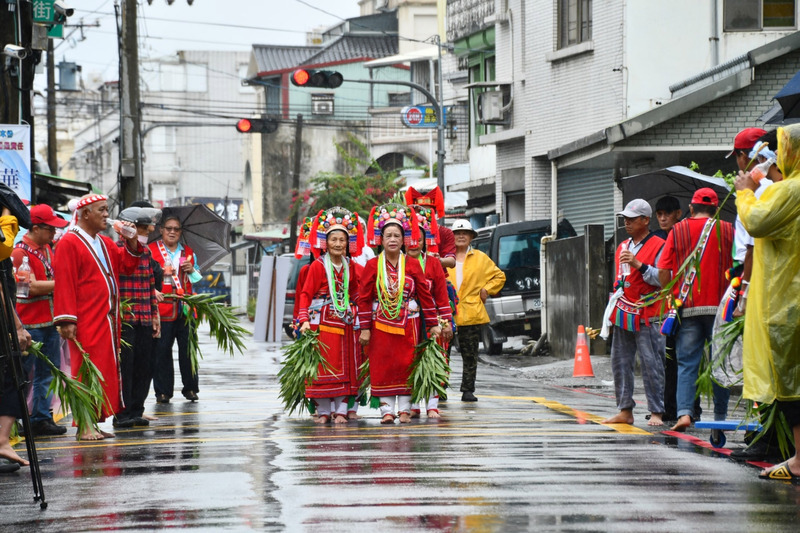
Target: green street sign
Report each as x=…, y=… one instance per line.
x=44, y=13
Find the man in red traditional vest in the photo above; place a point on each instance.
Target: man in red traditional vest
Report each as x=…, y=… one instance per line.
x=36, y=312
x=180, y=271
x=635, y=327
x=703, y=295
x=86, y=300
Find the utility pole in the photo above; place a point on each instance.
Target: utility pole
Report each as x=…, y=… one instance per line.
x=130, y=127
x=52, y=147
x=298, y=147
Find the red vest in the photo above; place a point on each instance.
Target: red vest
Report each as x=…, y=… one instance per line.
x=36, y=311
x=634, y=286
x=168, y=309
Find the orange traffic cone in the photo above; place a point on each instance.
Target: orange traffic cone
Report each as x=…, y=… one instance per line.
x=583, y=363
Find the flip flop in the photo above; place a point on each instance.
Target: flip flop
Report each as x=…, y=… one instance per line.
x=780, y=472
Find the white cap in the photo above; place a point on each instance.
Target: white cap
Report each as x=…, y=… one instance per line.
x=463, y=225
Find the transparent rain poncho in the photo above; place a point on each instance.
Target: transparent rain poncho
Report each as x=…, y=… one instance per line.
x=772, y=320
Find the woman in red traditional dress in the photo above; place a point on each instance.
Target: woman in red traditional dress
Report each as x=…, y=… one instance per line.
x=327, y=305
x=437, y=284
x=390, y=288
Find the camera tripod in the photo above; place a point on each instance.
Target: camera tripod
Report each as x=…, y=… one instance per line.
x=11, y=361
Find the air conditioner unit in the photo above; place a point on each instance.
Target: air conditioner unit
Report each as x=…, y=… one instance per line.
x=490, y=107
x=322, y=104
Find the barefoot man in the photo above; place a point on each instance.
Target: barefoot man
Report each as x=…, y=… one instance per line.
x=86, y=298
x=634, y=327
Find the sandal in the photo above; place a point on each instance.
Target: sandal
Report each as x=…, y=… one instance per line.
x=780, y=472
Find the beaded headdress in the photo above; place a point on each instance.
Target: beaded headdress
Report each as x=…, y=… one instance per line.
x=303, y=247
x=335, y=218
x=432, y=199
x=401, y=215
x=427, y=220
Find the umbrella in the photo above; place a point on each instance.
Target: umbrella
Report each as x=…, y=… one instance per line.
x=775, y=116
x=789, y=98
x=203, y=230
x=679, y=182
x=9, y=199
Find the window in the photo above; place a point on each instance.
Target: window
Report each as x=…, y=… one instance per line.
x=162, y=139
x=518, y=258
x=574, y=22
x=757, y=15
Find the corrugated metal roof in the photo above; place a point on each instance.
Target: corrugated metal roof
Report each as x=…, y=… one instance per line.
x=353, y=47
x=275, y=57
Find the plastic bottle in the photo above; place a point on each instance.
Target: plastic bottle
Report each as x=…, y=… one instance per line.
x=760, y=170
x=128, y=232
x=625, y=268
x=24, y=279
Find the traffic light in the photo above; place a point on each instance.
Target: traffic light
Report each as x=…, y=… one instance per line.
x=256, y=125
x=328, y=79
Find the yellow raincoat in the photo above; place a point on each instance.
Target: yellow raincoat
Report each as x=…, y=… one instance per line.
x=480, y=272
x=771, y=355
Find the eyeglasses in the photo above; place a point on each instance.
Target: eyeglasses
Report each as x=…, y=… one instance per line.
x=172, y=229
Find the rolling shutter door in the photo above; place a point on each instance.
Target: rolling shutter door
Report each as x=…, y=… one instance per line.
x=587, y=197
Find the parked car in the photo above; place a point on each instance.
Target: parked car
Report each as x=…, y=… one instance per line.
x=516, y=309
x=291, y=291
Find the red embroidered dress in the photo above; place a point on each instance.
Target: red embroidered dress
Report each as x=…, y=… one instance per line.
x=87, y=294
x=336, y=330
x=393, y=340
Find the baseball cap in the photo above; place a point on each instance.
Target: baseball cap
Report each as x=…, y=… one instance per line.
x=44, y=215
x=705, y=196
x=637, y=208
x=746, y=139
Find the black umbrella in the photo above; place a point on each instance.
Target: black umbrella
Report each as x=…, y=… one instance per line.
x=775, y=116
x=203, y=230
x=789, y=98
x=9, y=199
x=679, y=182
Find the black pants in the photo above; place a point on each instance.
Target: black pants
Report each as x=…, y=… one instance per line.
x=791, y=410
x=164, y=370
x=468, y=339
x=136, y=368
x=9, y=396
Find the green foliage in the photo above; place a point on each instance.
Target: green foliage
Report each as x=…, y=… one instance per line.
x=300, y=366
x=364, y=185
x=430, y=373
x=223, y=324
x=251, y=307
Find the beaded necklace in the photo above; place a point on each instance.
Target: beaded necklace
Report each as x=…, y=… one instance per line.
x=339, y=299
x=390, y=294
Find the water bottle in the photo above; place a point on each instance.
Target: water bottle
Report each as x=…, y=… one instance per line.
x=625, y=268
x=24, y=279
x=759, y=171
x=128, y=232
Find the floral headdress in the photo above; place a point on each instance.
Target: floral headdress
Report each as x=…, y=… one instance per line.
x=335, y=218
x=401, y=215
x=427, y=220
x=303, y=247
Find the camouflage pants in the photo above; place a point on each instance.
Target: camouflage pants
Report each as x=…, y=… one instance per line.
x=468, y=339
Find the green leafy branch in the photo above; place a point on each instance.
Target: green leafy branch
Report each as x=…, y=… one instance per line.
x=223, y=325
x=303, y=359
x=430, y=373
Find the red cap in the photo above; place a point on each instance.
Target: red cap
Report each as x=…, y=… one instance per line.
x=746, y=139
x=43, y=214
x=705, y=196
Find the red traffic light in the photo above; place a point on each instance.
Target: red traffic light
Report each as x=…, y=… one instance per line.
x=257, y=125
x=317, y=78
x=300, y=77
x=244, y=125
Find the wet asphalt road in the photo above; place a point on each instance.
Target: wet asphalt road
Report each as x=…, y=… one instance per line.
x=530, y=455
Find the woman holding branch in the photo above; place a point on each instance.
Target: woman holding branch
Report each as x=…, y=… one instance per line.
x=389, y=290
x=327, y=305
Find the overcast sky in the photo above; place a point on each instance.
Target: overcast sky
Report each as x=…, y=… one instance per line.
x=165, y=29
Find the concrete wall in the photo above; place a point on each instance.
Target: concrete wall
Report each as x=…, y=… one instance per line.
x=576, y=290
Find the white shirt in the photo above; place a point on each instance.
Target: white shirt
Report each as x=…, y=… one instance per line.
x=96, y=244
x=366, y=255
x=741, y=238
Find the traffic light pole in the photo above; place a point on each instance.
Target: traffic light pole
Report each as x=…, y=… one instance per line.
x=439, y=121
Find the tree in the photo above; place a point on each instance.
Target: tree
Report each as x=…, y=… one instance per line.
x=355, y=190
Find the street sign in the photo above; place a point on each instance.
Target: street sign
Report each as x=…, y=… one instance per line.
x=44, y=13
x=419, y=116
